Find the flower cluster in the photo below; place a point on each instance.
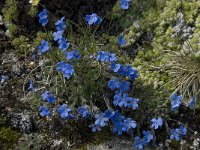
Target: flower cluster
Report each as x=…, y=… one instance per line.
x=127, y=71
x=58, y=35
x=176, y=101
x=178, y=133
x=93, y=19
x=119, y=122
x=43, y=17
x=106, y=57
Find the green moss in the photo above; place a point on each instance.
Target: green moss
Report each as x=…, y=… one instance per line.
x=8, y=138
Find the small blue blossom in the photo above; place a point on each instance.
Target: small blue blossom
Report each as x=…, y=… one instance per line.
x=84, y=111
x=43, y=17
x=30, y=87
x=49, y=97
x=4, y=78
x=191, y=103
x=175, y=135
x=125, y=4
x=138, y=143
x=64, y=111
x=156, y=123
x=63, y=43
x=44, y=47
x=117, y=128
x=124, y=100
x=176, y=101
x=101, y=120
x=106, y=57
x=129, y=124
x=66, y=69
x=73, y=55
x=148, y=136
x=125, y=86
x=93, y=19
x=121, y=41
x=108, y=114
x=114, y=84
x=183, y=130
x=132, y=103
x=60, y=24
x=57, y=35
x=44, y=111
x=95, y=127
x=117, y=98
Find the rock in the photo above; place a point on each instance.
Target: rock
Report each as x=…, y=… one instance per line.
x=22, y=121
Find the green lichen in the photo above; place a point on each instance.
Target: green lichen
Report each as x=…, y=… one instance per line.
x=8, y=138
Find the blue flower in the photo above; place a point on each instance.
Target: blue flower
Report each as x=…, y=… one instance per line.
x=138, y=143
x=183, y=130
x=132, y=103
x=57, y=35
x=43, y=17
x=108, y=114
x=117, y=128
x=49, y=97
x=117, y=98
x=125, y=4
x=176, y=134
x=114, y=84
x=30, y=87
x=106, y=57
x=44, y=111
x=124, y=100
x=64, y=111
x=4, y=78
x=156, y=123
x=60, y=24
x=128, y=70
x=175, y=101
x=129, y=124
x=191, y=103
x=93, y=19
x=101, y=120
x=63, y=43
x=121, y=41
x=95, y=127
x=117, y=118
x=44, y=47
x=73, y=55
x=66, y=69
x=83, y=111
x=125, y=86
x=148, y=136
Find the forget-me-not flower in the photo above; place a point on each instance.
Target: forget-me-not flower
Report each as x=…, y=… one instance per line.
x=156, y=123
x=44, y=47
x=93, y=19
x=43, y=17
